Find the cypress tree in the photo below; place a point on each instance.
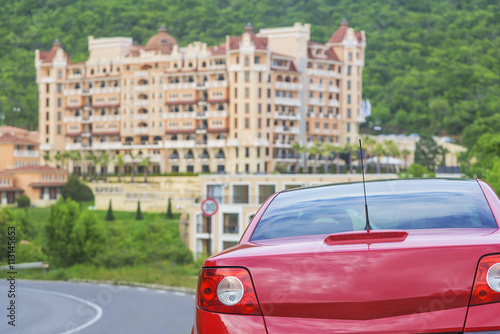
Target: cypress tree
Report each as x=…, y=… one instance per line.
x=138, y=214
x=109, y=215
x=170, y=215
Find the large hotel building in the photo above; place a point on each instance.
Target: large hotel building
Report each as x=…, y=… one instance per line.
x=237, y=107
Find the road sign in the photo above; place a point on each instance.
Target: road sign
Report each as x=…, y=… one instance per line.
x=209, y=207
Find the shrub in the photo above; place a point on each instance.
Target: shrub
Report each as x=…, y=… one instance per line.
x=109, y=215
x=76, y=190
x=138, y=214
x=23, y=201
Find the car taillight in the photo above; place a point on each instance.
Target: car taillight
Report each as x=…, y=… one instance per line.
x=227, y=290
x=487, y=284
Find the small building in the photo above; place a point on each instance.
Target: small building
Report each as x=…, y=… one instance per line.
x=42, y=184
x=18, y=148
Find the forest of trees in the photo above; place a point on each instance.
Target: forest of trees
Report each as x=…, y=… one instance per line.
x=430, y=65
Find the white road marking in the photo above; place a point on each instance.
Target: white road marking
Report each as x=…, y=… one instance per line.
x=161, y=291
x=142, y=289
x=97, y=308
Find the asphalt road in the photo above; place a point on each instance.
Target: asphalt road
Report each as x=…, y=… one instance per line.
x=70, y=308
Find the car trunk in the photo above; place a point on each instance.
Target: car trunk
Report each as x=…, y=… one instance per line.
x=302, y=283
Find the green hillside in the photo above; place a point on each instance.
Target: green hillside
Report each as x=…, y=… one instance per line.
x=430, y=65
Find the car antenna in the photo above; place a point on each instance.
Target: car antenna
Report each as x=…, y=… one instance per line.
x=368, y=227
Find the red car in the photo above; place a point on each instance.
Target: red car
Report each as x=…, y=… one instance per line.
x=309, y=263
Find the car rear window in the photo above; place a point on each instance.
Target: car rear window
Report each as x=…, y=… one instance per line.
x=398, y=204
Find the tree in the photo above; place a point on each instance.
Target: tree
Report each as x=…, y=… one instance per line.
x=315, y=150
x=170, y=215
x=299, y=149
x=378, y=151
x=326, y=149
x=138, y=213
x=109, y=214
x=88, y=238
x=76, y=158
x=46, y=157
x=58, y=241
x=120, y=162
x=405, y=153
x=368, y=143
x=91, y=162
x=76, y=190
x=133, y=163
x=390, y=150
x=416, y=170
x=104, y=160
x=427, y=151
x=145, y=163
x=23, y=201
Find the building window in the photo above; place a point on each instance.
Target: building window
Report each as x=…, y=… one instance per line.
x=230, y=221
x=256, y=59
x=268, y=93
x=59, y=74
x=349, y=70
x=47, y=102
x=247, y=123
x=59, y=87
x=235, y=77
x=247, y=61
x=240, y=194
x=58, y=101
x=236, y=92
x=348, y=127
x=247, y=108
x=58, y=115
x=47, y=129
x=237, y=60
x=247, y=92
x=47, y=88
x=260, y=93
x=58, y=129
x=247, y=76
x=260, y=76
x=215, y=192
x=348, y=84
x=46, y=116
x=247, y=152
x=348, y=112
x=350, y=56
x=266, y=190
x=259, y=108
x=348, y=99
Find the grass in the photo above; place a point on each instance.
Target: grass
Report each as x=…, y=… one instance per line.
x=137, y=251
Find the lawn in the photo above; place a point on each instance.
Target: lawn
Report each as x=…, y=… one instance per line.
x=146, y=251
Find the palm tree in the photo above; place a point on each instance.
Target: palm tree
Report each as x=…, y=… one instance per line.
x=92, y=162
x=326, y=150
x=405, y=153
x=76, y=157
x=368, y=144
x=298, y=148
x=104, y=160
x=133, y=158
x=337, y=150
x=378, y=151
x=120, y=162
x=351, y=149
x=58, y=158
x=315, y=150
x=390, y=150
x=145, y=163
x=65, y=157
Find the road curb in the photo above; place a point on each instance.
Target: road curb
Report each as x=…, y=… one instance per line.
x=188, y=291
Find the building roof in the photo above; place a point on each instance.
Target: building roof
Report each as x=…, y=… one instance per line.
x=35, y=169
x=13, y=129
x=217, y=50
x=7, y=138
x=161, y=42
x=259, y=42
x=48, y=56
x=339, y=34
x=46, y=184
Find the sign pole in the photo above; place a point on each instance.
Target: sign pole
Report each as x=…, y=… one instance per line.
x=209, y=207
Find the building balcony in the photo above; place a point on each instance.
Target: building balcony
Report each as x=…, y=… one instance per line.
x=86, y=133
x=201, y=129
x=286, y=116
x=141, y=131
x=179, y=144
x=73, y=146
x=323, y=73
x=286, y=129
x=107, y=146
x=141, y=73
x=141, y=88
x=286, y=101
x=217, y=84
x=287, y=85
x=87, y=107
x=141, y=117
x=333, y=89
x=201, y=115
x=218, y=67
x=68, y=92
x=87, y=91
x=316, y=87
x=75, y=76
x=316, y=102
x=279, y=144
x=333, y=103
x=26, y=154
x=86, y=119
x=211, y=143
x=105, y=118
x=178, y=115
x=260, y=142
x=141, y=103
x=179, y=85
x=106, y=90
x=285, y=157
x=233, y=142
x=202, y=85
x=218, y=113
x=76, y=119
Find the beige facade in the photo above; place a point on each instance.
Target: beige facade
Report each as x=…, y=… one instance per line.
x=18, y=148
x=42, y=184
x=232, y=108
